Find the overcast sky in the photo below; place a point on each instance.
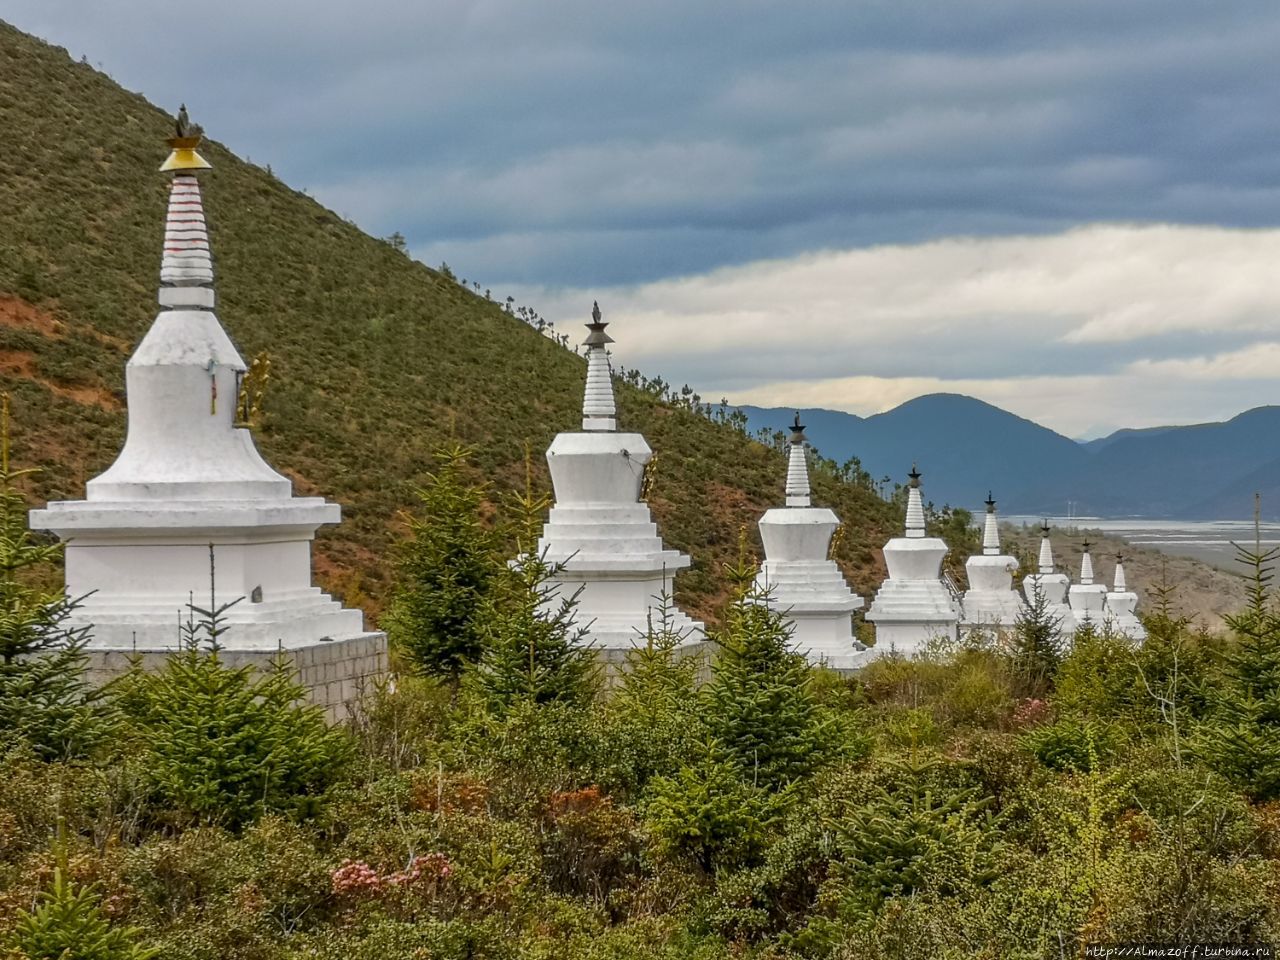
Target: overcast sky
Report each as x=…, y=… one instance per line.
x=1069, y=209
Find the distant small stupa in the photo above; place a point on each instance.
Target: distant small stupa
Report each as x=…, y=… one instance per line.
x=190, y=482
x=991, y=603
x=1052, y=586
x=1088, y=599
x=1122, y=603
x=600, y=538
x=914, y=605
x=800, y=579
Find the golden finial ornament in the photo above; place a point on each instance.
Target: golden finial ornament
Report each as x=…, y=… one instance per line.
x=183, y=145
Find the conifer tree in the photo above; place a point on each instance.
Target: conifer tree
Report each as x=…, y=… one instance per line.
x=68, y=923
x=44, y=697
x=654, y=720
x=1241, y=736
x=759, y=706
x=1036, y=641
x=533, y=649
x=444, y=570
x=226, y=745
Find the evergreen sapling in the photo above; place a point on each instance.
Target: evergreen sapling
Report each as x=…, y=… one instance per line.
x=533, y=647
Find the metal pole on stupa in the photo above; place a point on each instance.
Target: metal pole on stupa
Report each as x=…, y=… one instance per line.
x=190, y=481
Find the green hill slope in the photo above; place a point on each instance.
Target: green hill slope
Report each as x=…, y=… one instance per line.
x=376, y=359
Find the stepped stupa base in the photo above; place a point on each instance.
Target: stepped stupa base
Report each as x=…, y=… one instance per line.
x=824, y=640
x=817, y=604
x=998, y=612
x=615, y=607
x=910, y=614
x=910, y=636
x=1127, y=626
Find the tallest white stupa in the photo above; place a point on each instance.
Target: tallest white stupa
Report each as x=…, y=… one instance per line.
x=600, y=539
x=190, y=481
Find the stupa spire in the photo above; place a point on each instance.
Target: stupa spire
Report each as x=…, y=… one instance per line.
x=990, y=530
x=1046, y=549
x=797, y=467
x=1086, y=566
x=1120, y=585
x=915, y=506
x=186, y=268
x=598, y=409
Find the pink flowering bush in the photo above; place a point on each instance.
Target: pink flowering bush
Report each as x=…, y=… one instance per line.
x=356, y=880
x=1030, y=712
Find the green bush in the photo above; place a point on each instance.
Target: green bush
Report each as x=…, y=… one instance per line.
x=444, y=571
x=707, y=813
x=227, y=746
x=1071, y=744
x=758, y=705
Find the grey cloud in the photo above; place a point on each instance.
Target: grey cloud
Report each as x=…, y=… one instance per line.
x=693, y=136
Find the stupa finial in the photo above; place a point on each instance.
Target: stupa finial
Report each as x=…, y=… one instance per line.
x=598, y=409
x=1120, y=585
x=797, y=467
x=182, y=145
x=797, y=430
x=915, y=505
x=990, y=530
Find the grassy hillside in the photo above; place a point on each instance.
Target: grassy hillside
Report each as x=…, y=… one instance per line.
x=376, y=359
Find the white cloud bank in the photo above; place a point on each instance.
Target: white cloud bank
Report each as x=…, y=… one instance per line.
x=1098, y=327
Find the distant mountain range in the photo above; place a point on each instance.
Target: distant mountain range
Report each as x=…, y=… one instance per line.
x=965, y=447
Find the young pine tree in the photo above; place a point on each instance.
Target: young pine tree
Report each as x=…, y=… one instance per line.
x=654, y=720
x=68, y=923
x=444, y=571
x=1240, y=738
x=44, y=698
x=226, y=745
x=759, y=705
x=532, y=647
x=1036, y=642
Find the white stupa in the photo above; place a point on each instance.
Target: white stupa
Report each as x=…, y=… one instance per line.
x=801, y=580
x=1052, y=586
x=600, y=536
x=1088, y=599
x=1121, y=604
x=991, y=603
x=913, y=606
x=190, y=479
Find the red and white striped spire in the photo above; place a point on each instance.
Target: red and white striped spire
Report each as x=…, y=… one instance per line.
x=915, y=506
x=186, y=268
x=1046, y=550
x=598, y=409
x=797, y=467
x=990, y=530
